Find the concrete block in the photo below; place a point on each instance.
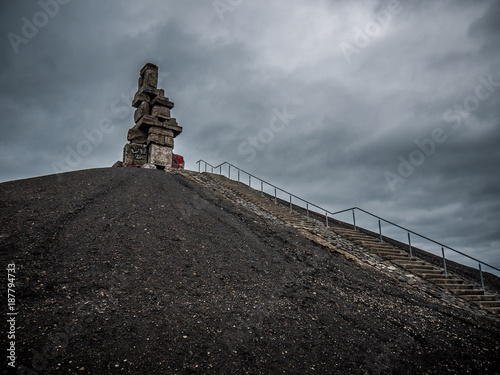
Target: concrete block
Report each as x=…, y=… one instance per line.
x=171, y=124
x=160, y=140
x=136, y=135
x=148, y=66
x=142, y=110
x=162, y=101
x=147, y=121
x=160, y=155
x=161, y=131
x=139, y=99
x=134, y=155
x=162, y=113
x=149, y=91
x=150, y=78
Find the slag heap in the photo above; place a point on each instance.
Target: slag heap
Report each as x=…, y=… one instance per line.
x=152, y=137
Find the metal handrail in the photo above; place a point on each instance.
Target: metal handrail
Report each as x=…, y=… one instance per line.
x=353, y=209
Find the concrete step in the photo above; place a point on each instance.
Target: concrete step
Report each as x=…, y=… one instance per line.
x=468, y=292
x=391, y=253
x=348, y=235
x=452, y=287
x=355, y=235
x=418, y=268
x=495, y=304
x=431, y=276
x=341, y=228
x=402, y=258
x=343, y=231
x=463, y=286
x=394, y=258
x=445, y=282
x=358, y=242
x=493, y=310
x=474, y=298
x=290, y=220
x=420, y=265
x=360, y=238
x=440, y=276
x=424, y=273
x=378, y=246
x=405, y=263
x=416, y=265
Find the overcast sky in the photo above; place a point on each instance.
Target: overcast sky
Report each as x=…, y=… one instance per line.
x=390, y=106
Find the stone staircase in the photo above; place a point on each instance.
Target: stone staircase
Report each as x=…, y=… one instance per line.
x=423, y=269
x=398, y=257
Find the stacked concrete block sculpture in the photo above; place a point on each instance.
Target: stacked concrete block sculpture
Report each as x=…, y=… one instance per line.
x=152, y=137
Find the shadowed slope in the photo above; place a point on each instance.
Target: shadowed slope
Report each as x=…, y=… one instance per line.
x=138, y=271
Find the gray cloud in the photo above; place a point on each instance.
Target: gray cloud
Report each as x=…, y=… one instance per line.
x=350, y=121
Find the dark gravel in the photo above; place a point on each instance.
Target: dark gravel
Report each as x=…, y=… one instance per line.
x=134, y=271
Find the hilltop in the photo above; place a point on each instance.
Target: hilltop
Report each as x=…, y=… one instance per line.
x=123, y=270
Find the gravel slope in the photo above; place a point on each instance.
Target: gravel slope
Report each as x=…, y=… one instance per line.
x=137, y=271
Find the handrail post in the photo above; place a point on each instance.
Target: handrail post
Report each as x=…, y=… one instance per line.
x=205, y=167
x=238, y=175
x=229, y=172
x=212, y=169
x=380, y=230
x=354, y=219
x=307, y=207
x=326, y=216
x=290, y=203
x=220, y=170
x=261, y=188
x=444, y=261
x=249, y=181
x=481, y=273
x=275, y=197
x=409, y=245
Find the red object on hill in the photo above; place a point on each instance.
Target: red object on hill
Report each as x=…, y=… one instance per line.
x=177, y=161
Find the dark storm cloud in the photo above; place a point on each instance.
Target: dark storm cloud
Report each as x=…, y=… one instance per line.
x=268, y=87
